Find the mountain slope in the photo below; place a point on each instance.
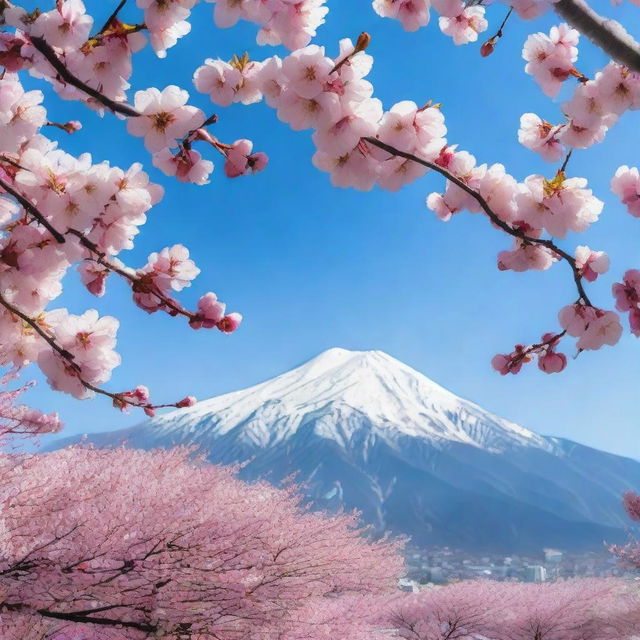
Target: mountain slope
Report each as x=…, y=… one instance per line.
x=362, y=430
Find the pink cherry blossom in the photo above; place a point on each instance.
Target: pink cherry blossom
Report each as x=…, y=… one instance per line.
x=210, y=312
x=219, y=80
x=540, y=136
x=165, y=117
x=240, y=161
x=413, y=14
x=590, y=263
x=465, y=26
x=186, y=165
x=626, y=185
x=230, y=322
x=552, y=362
x=550, y=59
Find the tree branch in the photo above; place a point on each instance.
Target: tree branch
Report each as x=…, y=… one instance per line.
x=507, y=228
x=603, y=32
x=117, y=107
x=118, y=398
x=87, y=619
x=28, y=206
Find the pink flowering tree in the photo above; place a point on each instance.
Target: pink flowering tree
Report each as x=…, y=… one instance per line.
x=19, y=421
x=629, y=554
x=126, y=544
x=581, y=609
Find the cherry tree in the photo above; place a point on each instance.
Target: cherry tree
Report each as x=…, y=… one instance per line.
x=19, y=421
x=581, y=609
x=130, y=544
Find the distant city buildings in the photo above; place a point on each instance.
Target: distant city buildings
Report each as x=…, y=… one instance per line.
x=442, y=565
x=535, y=573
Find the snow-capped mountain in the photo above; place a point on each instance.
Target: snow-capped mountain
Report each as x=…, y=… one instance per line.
x=363, y=430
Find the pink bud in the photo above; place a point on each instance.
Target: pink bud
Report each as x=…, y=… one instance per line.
x=189, y=401
x=230, y=323
x=72, y=126
x=488, y=48
x=150, y=412
x=552, y=362
x=141, y=394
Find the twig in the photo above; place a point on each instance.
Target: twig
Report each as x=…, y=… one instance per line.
x=26, y=204
x=117, y=107
x=566, y=161
x=112, y=17
x=512, y=231
x=101, y=259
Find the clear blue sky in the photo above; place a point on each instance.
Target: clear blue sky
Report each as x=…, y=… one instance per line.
x=312, y=267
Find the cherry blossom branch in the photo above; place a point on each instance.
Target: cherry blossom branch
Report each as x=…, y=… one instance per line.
x=512, y=231
x=33, y=210
x=523, y=354
x=100, y=257
x=39, y=330
x=136, y=283
x=117, y=107
x=607, y=34
x=119, y=399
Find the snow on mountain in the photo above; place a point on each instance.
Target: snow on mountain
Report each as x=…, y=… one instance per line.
x=362, y=430
x=397, y=400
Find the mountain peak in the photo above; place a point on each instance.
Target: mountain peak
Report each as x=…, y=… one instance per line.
x=347, y=395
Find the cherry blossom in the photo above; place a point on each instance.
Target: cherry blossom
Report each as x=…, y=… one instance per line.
x=550, y=59
x=156, y=543
x=165, y=117
x=626, y=185
x=540, y=136
x=465, y=26
x=590, y=263
x=240, y=161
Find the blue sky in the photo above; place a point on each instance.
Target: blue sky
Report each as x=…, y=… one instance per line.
x=312, y=267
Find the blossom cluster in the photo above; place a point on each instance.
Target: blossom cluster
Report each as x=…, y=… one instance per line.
x=595, y=105
x=57, y=210
x=310, y=90
x=100, y=67
x=103, y=62
x=457, y=18
x=626, y=185
x=627, y=295
x=461, y=20
x=18, y=420
x=291, y=23
x=332, y=97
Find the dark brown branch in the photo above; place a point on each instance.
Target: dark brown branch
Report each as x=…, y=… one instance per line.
x=603, y=32
x=39, y=330
x=507, y=228
x=86, y=619
x=28, y=206
x=117, y=107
